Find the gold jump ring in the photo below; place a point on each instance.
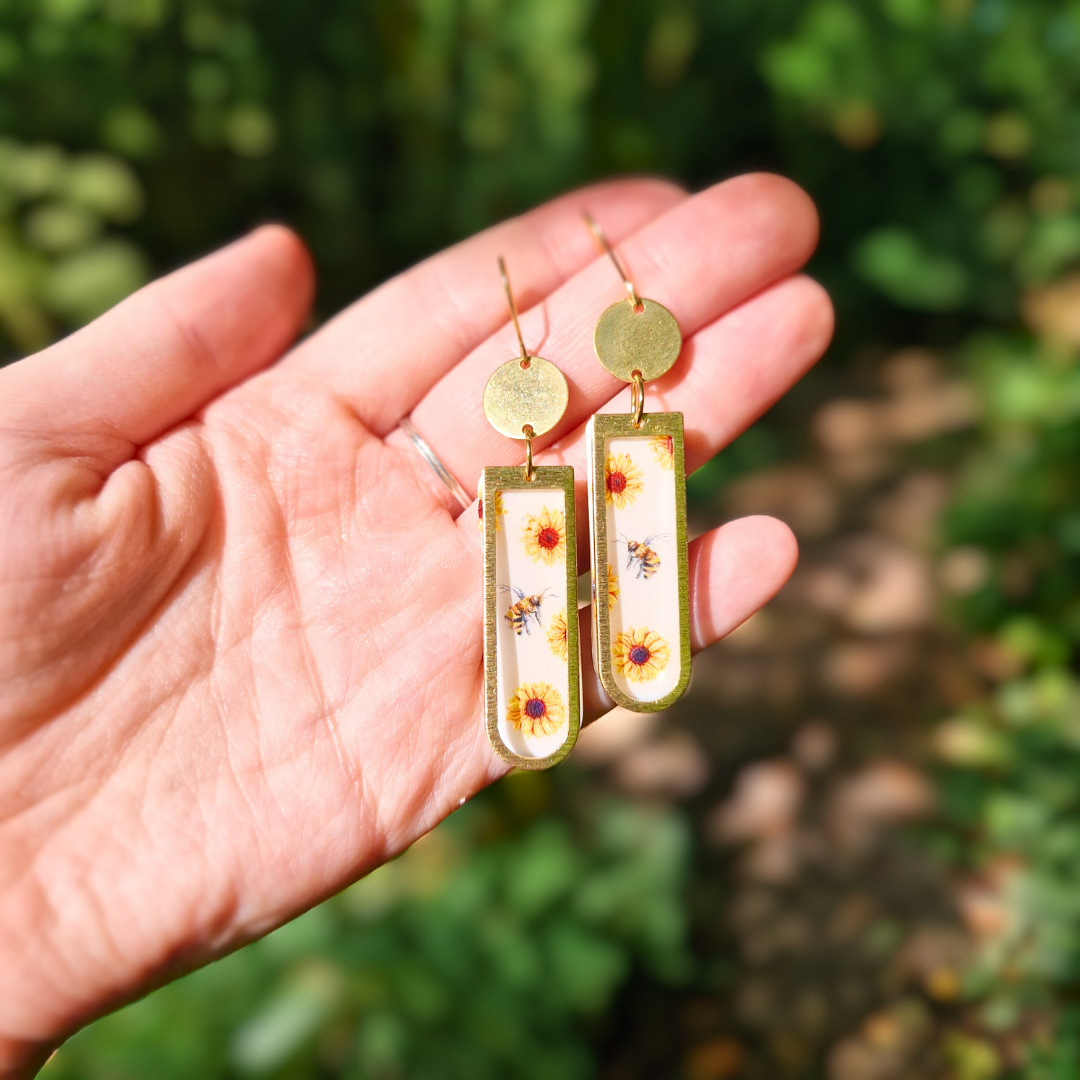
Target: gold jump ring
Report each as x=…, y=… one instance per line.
x=637, y=396
x=527, y=431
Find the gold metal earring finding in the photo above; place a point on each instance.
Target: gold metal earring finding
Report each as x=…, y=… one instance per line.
x=527, y=391
x=530, y=472
x=637, y=396
x=602, y=245
x=512, y=303
x=635, y=334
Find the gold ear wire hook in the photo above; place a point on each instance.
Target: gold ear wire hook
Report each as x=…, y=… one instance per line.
x=605, y=248
x=513, y=311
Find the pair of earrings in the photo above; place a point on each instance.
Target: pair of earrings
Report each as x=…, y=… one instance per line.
x=637, y=541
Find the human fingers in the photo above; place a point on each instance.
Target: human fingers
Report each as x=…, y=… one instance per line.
x=157, y=357
x=764, y=226
x=734, y=570
x=732, y=371
x=386, y=351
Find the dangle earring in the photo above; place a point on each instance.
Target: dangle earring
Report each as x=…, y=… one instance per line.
x=637, y=512
x=531, y=657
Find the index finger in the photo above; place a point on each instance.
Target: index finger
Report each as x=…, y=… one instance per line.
x=386, y=351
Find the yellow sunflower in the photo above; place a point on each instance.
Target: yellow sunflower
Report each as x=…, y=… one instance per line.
x=537, y=709
x=612, y=586
x=544, y=536
x=622, y=479
x=663, y=448
x=640, y=655
x=480, y=508
x=556, y=636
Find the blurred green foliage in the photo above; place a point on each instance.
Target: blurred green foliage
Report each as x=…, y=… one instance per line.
x=58, y=261
x=1015, y=791
x=969, y=116
x=941, y=140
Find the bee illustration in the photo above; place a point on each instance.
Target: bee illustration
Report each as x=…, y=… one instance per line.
x=523, y=609
x=641, y=552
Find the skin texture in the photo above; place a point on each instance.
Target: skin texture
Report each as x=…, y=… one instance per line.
x=241, y=659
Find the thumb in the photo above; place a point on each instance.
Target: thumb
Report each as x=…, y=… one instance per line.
x=163, y=353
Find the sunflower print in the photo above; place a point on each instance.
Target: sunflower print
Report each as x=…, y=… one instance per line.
x=544, y=536
x=622, y=479
x=556, y=636
x=640, y=655
x=480, y=508
x=536, y=709
x=612, y=586
x=663, y=448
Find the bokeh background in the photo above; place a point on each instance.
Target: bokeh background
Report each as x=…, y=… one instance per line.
x=853, y=852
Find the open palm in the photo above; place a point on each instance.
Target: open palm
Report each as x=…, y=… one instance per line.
x=241, y=657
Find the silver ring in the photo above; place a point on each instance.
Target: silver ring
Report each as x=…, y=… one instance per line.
x=441, y=471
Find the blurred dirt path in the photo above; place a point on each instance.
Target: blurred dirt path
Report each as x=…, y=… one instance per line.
x=830, y=937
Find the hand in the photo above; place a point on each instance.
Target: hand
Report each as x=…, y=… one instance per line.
x=241, y=659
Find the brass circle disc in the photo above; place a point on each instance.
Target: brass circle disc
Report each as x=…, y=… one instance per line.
x=648, y=341
x=516, y=396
